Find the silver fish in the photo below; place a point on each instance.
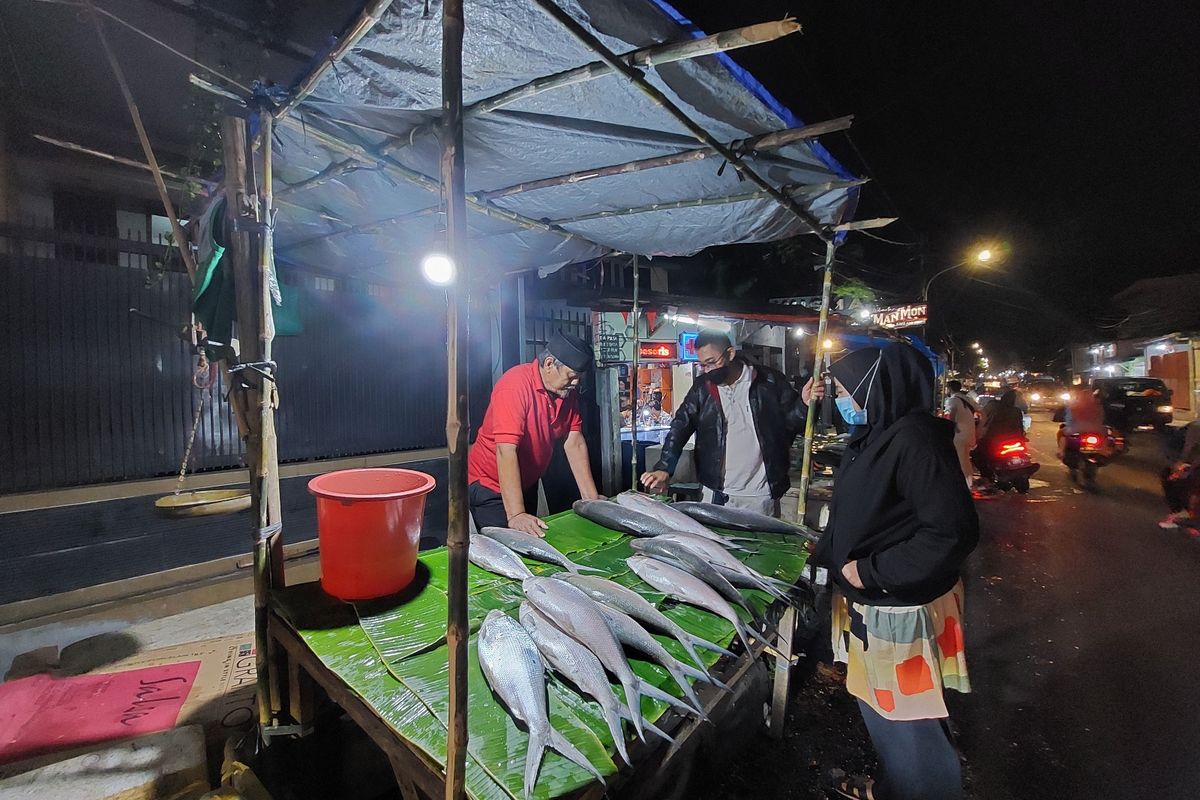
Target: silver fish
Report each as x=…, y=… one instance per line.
x=618, y=518
x=578, y=665
x=489, y=554
x=665, y=513
x=510, y=662
x=740, y=519
x=534, y=547
x=622, y=598
x=736, y=572
x=579, y=616
x=634, y=635
x=696, y=564
x=687, y=588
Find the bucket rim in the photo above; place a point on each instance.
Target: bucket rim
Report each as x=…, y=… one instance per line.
x=426, y=483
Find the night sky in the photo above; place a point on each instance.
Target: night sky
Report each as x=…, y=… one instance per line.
x=1070, y=131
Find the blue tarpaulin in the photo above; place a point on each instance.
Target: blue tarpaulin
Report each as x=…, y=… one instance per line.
x=385, y=93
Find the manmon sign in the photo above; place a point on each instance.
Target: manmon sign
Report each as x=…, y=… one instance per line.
x=901, y=316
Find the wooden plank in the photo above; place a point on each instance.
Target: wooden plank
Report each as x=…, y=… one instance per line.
x=422, y=772
x=783, y=673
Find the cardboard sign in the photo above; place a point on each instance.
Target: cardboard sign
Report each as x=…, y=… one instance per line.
x=41, y=714
x=901, y=316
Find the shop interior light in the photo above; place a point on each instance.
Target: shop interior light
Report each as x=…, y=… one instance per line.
x=827, y=344
x=438, y=269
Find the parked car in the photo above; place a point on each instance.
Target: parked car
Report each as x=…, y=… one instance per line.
x=1131, y=403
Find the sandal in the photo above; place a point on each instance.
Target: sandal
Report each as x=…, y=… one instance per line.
x=854, y=787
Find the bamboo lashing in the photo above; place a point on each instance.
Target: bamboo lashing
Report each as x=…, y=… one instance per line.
x=181, y=240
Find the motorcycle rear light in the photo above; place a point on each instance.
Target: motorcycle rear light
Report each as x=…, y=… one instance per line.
x=1092, y=440
x=1012, y=447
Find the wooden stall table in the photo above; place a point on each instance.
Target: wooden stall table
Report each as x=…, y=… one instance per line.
x=324, y=643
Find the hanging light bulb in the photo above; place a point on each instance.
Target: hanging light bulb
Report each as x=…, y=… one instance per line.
x=438, y=268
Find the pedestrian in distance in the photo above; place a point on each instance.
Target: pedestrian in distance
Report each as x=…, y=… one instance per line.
x=533, y=407
x=1181, y=484
x=745, y=417
x=962, y=410
x=902, y=522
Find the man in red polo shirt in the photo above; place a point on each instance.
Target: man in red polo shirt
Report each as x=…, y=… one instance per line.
x=533, y=407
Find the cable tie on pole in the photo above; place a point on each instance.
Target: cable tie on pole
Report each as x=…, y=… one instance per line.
x=263, y=534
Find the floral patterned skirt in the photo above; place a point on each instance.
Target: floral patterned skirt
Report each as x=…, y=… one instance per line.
x=899, y=659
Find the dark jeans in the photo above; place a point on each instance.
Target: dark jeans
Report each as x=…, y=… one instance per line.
x=1182, y=494
x=916, y=757
x=487, y=507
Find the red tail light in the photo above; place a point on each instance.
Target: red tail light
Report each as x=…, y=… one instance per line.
x=1011, y=448
x=1091, y=439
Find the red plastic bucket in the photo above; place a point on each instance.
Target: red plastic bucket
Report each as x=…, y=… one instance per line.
x=369, y=528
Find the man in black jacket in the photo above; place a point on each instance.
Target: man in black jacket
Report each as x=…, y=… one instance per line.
x=745, y=417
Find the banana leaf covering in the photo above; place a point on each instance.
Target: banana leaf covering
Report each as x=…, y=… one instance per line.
x=392, y=653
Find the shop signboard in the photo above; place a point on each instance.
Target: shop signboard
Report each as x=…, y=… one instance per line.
x=687, y=346
x=901, y=316
x=658, y=351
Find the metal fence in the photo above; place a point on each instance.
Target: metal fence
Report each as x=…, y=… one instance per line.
x=97, y=380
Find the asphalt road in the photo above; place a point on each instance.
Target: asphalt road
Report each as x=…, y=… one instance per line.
x=1083, y=639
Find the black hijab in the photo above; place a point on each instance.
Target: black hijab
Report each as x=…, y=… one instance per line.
x=901, y=385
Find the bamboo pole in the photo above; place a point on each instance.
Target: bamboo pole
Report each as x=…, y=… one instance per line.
x=639, y=80
x=458, y=359
x=365, y=21
x=181, y=240
x=125, y=162
x=768, y=141
x=633, y=376
x=247, y=287
x=644, y=57
x=809, y=189
x=810, y=421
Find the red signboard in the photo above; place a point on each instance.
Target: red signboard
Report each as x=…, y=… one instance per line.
x=658, y=351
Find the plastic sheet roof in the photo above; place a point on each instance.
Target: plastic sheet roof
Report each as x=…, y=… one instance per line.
x=389, y=87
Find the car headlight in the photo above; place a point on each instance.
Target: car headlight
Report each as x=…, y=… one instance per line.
x=1035, y=397
x=1065, y=397
x=1165, y=409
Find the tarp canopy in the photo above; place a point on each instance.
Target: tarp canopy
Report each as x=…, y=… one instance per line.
x=385, y=96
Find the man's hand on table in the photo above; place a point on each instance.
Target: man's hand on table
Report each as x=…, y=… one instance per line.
x=656, y=482
x=528, y=523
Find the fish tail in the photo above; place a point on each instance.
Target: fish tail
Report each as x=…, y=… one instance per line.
x=671, y=700
x=633, y=699
x=560, y=744
x=658, y=732
x=612, y=717
x=691, y=650
x=533, y=761
x=580, y=568
x=688, y=691
x=698, y=674
x=716, y=648
x=747, y=635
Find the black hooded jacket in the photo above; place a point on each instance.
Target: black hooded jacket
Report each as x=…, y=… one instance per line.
x=900, y=506
x=779, y=415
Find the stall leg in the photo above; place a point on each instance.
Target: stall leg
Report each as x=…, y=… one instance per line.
x=783, y=672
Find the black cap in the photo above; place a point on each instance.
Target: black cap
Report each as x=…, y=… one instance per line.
x=571, y=350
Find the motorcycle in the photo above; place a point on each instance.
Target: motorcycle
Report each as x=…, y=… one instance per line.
x=1007, y=464
x=1088, y=452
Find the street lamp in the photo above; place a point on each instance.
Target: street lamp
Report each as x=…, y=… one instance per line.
x=980, y=258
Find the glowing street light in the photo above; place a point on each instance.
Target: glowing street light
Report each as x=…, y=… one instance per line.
x=438, y=269
x=980, y=257
x=984, y=255
x=976, y=346
x=827, y=344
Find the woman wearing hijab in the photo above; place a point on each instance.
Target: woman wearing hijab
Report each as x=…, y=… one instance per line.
x=901, y=524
